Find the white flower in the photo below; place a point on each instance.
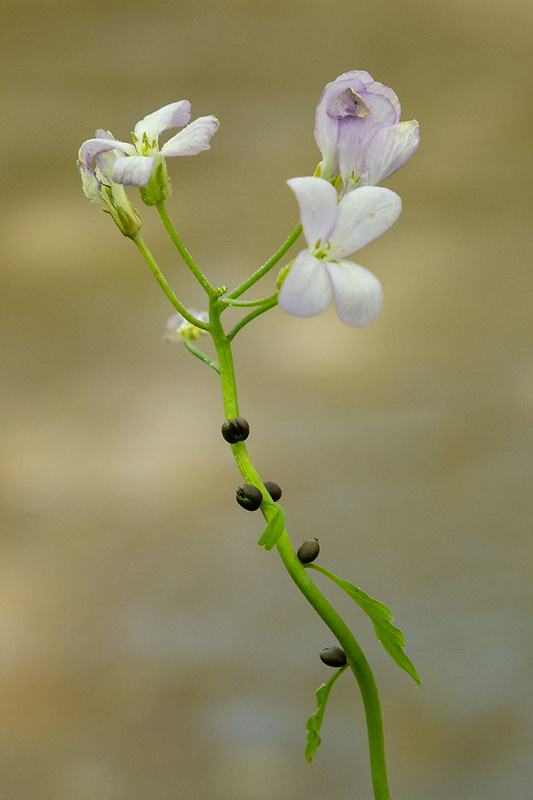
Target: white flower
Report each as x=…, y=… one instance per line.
x=134, y=167
x=178, y=328
x=99, y=187
x=334, y=230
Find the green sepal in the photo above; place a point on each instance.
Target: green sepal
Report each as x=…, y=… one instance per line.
x=158, y=188
x=273, y=530
x=314, y=722
x=390, y=637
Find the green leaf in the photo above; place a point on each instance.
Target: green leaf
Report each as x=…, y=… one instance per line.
x=314, y=722
x=390, y=637
x=273, y=530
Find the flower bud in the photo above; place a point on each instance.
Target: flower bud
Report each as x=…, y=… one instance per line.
x=333, y=656
x=308, y=551
x=249, y=497
x=274, y=490
x=235, y=430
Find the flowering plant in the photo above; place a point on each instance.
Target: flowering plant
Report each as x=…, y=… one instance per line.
x=362, y=142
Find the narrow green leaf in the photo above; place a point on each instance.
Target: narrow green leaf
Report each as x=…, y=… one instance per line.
x=390, y=637
x=273, y=530
x=314, y=722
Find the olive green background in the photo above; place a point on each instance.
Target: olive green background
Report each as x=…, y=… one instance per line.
x=148, y=648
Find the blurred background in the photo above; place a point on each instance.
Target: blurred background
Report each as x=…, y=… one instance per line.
x=148, y=648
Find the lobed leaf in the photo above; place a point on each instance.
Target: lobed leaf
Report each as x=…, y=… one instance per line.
x=314, y=722
x=388, y=634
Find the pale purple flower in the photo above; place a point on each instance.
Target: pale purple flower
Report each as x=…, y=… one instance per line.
x=334, y=230
x=359, y=133
x=99, y=187
x=179, y=328
x=136, y=161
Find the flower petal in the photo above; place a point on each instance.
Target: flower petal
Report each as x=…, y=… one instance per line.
x=318, y=207
x=307, y=289
x=389, y=150
x=174, y=115
x=355, y=133
x=358, y=293
x=363, y=215
x=193, y=139
x=92, y=147
x=133, y=170
x=326, y=126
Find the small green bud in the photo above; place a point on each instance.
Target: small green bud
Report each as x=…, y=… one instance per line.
x=235, y=430
x=274, y=490
x=333, y=656
x=308, y=551
x=249, y=497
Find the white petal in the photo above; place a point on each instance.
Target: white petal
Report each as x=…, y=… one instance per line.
x=318, y=207
x=133, y=170
x=174, y=115
x=358, y=293
x=389, y=150
x=92, y=147
x=307, y=289
x=193, y=139
x=363, y=215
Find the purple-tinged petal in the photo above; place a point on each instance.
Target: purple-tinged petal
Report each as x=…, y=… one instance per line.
x=92, y=147
x=356, y=75
x=133, y=170
x=358, y=293
x=363, y=215
x=318, y=207
x=389, y=150
x=173, y=115
x=327, y=126
x=355, y=133
x=193, y=139
x=307, y=289
x=379, y=88
x=100, y=133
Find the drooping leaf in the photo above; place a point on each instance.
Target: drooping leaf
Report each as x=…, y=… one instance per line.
x=388, y=634
x=314, y=722
x=273, y=530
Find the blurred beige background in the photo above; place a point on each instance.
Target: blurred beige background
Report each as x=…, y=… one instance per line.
x=148, y=648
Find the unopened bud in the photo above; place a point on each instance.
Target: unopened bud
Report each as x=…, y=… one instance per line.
x=308, y=551
x=235, y=430
x=333, y=656
x=274, y=490
x=249, y=497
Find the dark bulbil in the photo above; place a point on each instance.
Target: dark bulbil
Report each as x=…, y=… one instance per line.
x=308, y=551
x=249, y=497
x=235, y=430
x=333, y=656
x=274, y=490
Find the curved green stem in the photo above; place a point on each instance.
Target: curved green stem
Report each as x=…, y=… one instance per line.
x=248, y=303
x=355, y=657
x=189, y=260
x=201, y=355
x=252, y=315
x=287, y=244
x=150, y=260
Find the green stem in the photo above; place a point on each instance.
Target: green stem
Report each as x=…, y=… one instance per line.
x=252, y=315
x=287, y=244
x=201, y=355
x=150, y=260
x=355, y=657
x=248, y=303
x=189, y=260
